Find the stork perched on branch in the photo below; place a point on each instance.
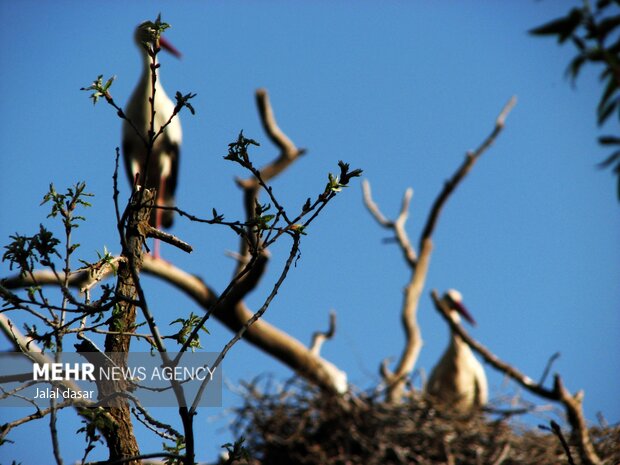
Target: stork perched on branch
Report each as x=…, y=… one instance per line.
x=458, y=380
x=163, y=160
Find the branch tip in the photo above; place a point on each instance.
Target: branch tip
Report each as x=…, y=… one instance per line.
x=501, y=119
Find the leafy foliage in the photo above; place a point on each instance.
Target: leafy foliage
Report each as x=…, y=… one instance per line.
x=187, y=327
x=99, y=89
x=175, y=450
x=25, y=251
x=65, y=204
x=595, y=33
x=183, y=101
x=109, y=312
x=236, y=452
x=238, y=150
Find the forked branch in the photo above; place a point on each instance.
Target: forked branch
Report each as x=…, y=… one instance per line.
x=398, y=226
x=396, y=381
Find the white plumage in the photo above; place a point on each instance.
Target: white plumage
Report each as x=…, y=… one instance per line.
x=163, y=164
x=458, y=380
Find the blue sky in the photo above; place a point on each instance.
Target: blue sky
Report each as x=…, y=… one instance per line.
x=400, y=89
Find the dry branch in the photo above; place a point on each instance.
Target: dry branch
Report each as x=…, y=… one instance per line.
x=233, y=313
x=291, y=424
x=150, y=231
x=559, y=393
x=396, y=381
x=398, y=226
x=288, y=150
x=319, y=337
x=468, y=163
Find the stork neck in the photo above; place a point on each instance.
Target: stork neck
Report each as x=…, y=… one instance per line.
x=456, y=341
x=147, y=61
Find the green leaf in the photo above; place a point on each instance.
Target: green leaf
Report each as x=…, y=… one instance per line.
x=606, y=110
x=572, y=71
x=609, y=140
x=610, y=160
x=610, y=88
x=607, y=25
x=562, y=27
x=99, y=88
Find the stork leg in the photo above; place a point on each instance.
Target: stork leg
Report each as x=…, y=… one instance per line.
x=156, y=248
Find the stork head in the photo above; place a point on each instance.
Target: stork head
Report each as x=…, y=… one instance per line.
x=454, y=300
x=148, y=34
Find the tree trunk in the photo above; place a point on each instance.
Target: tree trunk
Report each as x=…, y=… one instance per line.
x=120, y=438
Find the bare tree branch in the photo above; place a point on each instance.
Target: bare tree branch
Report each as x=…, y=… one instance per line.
x=261, y=334
x=572, y=404
x=29, y=348
x=150, y=231
x=288, y=151
x=397, y=226
x=249, y=271
x=552, y=359
x=574, y=412
x=288, y=154
x=161, y=429
x=396, y=381
x=319, y=337
x=503, y=454
x=414, y=342
x=491, y=358
x=557, y=430
x=468, y=163
x=233, y=315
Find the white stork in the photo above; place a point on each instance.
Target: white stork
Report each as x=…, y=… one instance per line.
x=162, y=172
x=458, y=380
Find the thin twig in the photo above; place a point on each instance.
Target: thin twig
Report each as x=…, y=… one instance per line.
x=153, y=424
x=552, y=359
x=319, y=337
x=555, y=428
x=292, y=254
x=150, y=231
x=502, y=455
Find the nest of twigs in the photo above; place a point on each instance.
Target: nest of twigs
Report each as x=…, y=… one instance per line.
x=294, y=424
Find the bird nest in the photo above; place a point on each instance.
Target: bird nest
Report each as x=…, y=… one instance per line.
x=296, y=424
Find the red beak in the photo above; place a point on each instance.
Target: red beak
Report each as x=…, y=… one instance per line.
x=459, y=307
x=169, y=47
